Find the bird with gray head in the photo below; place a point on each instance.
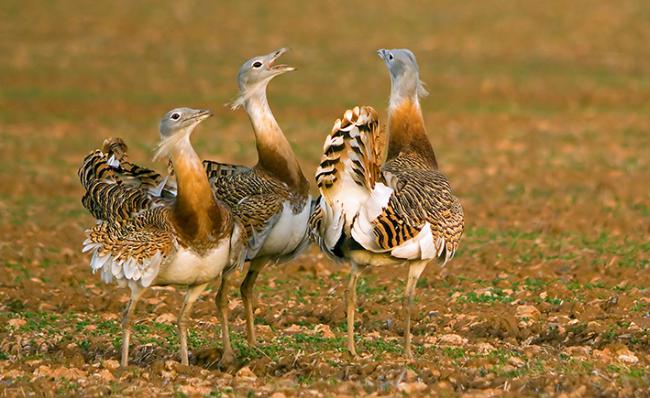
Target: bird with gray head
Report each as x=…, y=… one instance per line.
x=141, y=239
x=385, y=206
x=176, y=126
x=404, y=75
x=271, y=198
x=256, y=73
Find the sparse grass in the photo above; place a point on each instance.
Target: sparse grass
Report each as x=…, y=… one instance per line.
x=493, y=295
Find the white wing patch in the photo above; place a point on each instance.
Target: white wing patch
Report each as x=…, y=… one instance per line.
x=112, y=162
x=332, y=224
x=257, y=238
x=419, y=247
x=115, y=267
x=287, y=230
x=157, y=190
x=363, y=227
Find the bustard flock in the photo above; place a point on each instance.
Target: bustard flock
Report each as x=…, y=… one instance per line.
x=382, y=202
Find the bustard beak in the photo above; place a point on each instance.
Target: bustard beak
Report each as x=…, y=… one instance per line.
x=201, y=114
x=382, y=53
x=278, y=69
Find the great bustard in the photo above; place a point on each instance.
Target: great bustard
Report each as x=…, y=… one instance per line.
x=385, y=204
x=271, y=199
x=146, y=234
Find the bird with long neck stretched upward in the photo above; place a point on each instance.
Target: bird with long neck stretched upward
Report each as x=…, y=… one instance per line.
x=145, y=236
x=383, y=200
x=271, y=199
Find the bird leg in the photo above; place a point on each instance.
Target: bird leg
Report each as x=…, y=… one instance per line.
x=351, y=302
x=415, y=270
x=136, y=293
x=227, y=356
x=247, y=290
x=192, y=294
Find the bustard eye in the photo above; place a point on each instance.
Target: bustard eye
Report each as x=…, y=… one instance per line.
x=257, y=64
x=390, y=57
x=176, y=116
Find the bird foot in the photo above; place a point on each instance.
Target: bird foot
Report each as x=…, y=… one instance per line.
x=227, y=360
x=214, y=358
x=353, y=353
x=408, y=355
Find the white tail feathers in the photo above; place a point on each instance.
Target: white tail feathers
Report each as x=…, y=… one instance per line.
x=350, y=168
x=362, y=230
x=118, y=267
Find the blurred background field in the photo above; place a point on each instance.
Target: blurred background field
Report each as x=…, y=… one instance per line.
x=539, y=113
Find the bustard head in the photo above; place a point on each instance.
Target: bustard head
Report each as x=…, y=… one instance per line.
x=177, y=125
x=404, y=73
x=256, y=73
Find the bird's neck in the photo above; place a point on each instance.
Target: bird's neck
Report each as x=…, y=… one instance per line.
x=406, y=130
x=273, y=149
x=197, y=216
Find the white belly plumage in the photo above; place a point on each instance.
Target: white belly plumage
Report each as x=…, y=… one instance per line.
x=288, y=232
x=188, y=268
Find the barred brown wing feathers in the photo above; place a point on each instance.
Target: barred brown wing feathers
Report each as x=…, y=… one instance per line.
x=133, y=250
x=115, y=202
x=132, y=174
x=231, y=183
x=116, y=148
x=93, y=168
x=114, y=165
x=421, y=195
x=258, y=214
x=216, y=170
x=143, y=237
x=115, y=188
x=138, y=176
x=242, y=185
x=255, y=198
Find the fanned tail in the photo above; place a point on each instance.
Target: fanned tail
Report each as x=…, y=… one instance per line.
x=115, y=202
x=349, y=170
x=354, y=149
x=131, y=237
x=115, y=188
x=115, y=149
x=112, y=164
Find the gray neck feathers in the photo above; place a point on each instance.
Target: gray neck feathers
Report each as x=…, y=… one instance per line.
x=406, y=86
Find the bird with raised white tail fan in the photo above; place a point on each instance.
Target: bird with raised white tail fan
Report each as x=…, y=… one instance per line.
x=146, y=235
x=383, y=200
x=271, y=199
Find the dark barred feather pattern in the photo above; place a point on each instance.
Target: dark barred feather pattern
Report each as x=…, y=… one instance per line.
x=95, y=168
x=217, y=171
x=116, y=188
x=134, y=175
x=146, y=234
x=357, y=137
x=254, y=197
x=115, y=202
x=133, y=234
x=421, y=194
x=382, y=207
x=315, y=221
